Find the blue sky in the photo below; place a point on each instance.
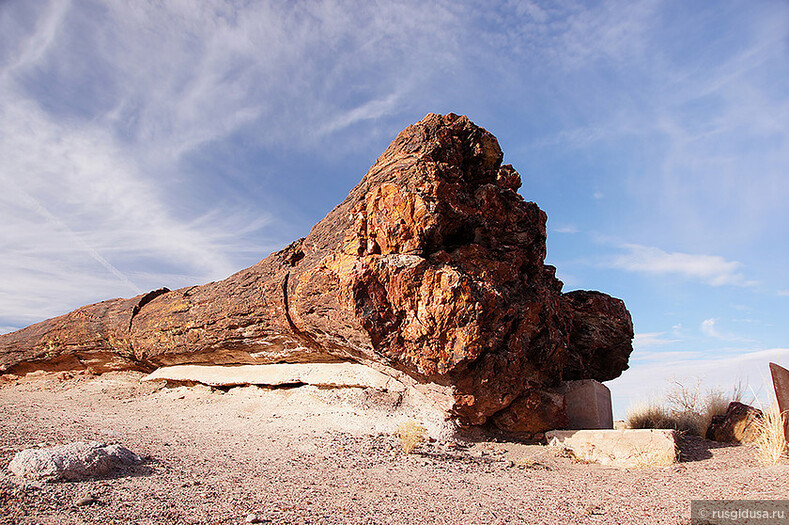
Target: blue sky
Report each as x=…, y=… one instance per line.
x=146, y=145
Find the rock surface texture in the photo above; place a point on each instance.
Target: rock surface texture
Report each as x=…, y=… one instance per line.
x=780, y=377
x=431, y=270
x=740, y=424
x=81, y=459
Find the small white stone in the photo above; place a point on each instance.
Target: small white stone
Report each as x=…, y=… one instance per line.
x=84, y=500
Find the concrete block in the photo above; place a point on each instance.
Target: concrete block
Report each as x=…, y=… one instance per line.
x=627, y=448
x=588, y=405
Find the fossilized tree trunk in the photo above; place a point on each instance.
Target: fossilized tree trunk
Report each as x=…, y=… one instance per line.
x=433, y=266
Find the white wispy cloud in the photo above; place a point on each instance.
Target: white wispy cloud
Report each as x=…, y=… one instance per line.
x=80, y=220
x=711, y=269
x=169, y=78
x=569, y=228
x=648, y=339
x=640, y=357
x=611, y=31
x=367, y=111
x=568, y=35
x=710, y=328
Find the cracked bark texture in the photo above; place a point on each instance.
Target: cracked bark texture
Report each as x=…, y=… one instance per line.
x=433, y=267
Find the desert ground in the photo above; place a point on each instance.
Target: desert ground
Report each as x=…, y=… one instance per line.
x=309, y=455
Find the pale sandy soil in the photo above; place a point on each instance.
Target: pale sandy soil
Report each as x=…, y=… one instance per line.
x=309, y=456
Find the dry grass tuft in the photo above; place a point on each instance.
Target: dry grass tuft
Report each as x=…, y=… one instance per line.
x=684, y=408
x=718, y=403
x=411, y=434
x=648, y=415
x=527, y=463
x=531, y=463
x=771, y=441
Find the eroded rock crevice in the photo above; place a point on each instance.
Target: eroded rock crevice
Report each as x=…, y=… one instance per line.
x=145, y=299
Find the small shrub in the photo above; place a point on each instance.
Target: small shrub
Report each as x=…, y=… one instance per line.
x=532, y=462
x=718, y=403
x=684, y=408
x=648, y=415
x=411, y=434
x=771, y=440
x=738, y=393
x=561, y=451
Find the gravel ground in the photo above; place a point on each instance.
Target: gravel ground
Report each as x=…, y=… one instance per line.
x=305, y=455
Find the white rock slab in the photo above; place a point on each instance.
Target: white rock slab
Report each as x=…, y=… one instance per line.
x=318, y=374
x=628, y=448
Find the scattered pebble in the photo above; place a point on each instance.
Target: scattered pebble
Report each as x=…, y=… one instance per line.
x=84, y=501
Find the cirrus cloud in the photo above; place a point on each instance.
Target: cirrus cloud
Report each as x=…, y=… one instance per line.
x=711, y=269
x=647, y=339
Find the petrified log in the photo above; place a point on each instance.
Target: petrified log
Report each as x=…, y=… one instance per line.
x=740, y=424
x=780, y=377
x=433, y=267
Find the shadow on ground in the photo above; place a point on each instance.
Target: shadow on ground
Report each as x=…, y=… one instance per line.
x=695, y=448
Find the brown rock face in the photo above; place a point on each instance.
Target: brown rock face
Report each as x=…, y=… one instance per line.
x=601, y=336
x=738, y=425
x=780, y=377
x=532, y=412
x=433, y=266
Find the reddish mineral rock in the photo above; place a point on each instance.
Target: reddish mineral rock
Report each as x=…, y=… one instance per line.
x=432, y=267
x=740, y=424
x=780, y=377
